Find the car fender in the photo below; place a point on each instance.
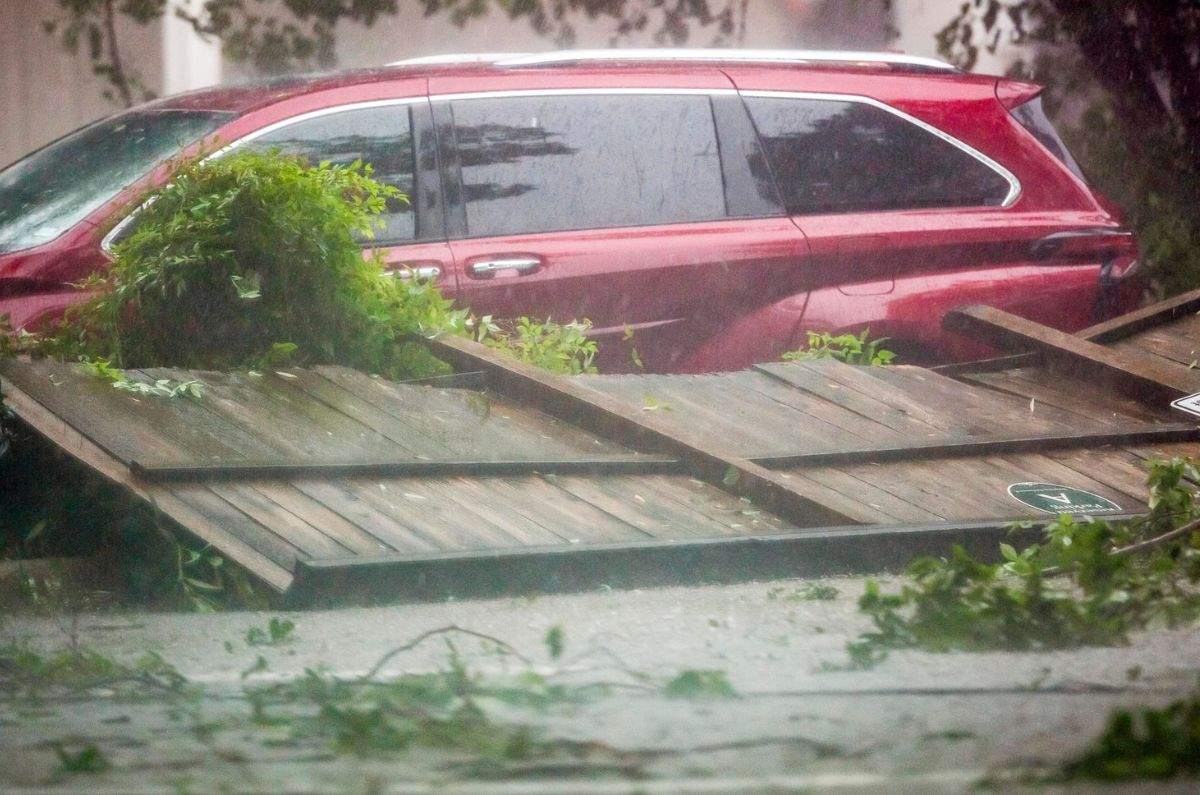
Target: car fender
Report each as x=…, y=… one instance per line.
x=761, y=335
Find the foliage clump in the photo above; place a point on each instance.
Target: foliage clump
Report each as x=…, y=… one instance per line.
x=848, y=348
x=253, y=258
x=562, y=348
x=1146, y=744
x=1089, y=582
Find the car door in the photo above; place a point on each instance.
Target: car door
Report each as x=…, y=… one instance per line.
x=636, y=209
x=904, y=222
x=395, y=138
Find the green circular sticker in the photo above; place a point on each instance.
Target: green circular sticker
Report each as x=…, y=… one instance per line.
x=1053, y=498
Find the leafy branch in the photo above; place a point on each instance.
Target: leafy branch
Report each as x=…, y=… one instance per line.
x=849, y=348
x=1089, y=582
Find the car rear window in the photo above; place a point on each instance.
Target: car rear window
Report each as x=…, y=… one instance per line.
x=834, y=156
x=379, y=136
x=56, y=187
x=549, y=163
x=1032, y=117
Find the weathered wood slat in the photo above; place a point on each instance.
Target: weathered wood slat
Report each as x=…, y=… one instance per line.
x=543, y=500
x=116, y=421
x=1043, y=468
x=1079, y=398
x=1138, y=375
x=471, y=423
x=1146, y=317
x=880, y=414
x=266, y=470
x=899, y=505
x=335, y=496
x=1120, y=327
x=406, y=432
x=198, y=523
x=557, y=395
x=966, y=491
x=652, y=563
x=297, y=427
x=234, y=522
x=1140, y=434
x=682, y=401
x=1166, y=344
x=982, y=412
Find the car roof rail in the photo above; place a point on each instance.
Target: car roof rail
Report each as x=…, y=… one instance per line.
x=458, y=58
x=892, y=59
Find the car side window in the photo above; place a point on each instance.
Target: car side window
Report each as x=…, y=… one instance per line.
x=832, y=156
x=552, y=163
x=380, y=136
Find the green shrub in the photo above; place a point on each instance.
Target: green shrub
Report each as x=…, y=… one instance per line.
x=564, y=349
x=1089, y=582
x=1144, y=744
x=848, y=348
x=253, y=259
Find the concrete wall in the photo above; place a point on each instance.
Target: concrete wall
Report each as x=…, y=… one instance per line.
x=45, y=91
x=826, y=24
x=918, y=22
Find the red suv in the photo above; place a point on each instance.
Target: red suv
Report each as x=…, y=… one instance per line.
x=716, y=204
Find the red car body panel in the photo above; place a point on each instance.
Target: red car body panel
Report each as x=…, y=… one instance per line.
x=714, y=295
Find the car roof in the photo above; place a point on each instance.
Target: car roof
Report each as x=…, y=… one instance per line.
x=247, y=95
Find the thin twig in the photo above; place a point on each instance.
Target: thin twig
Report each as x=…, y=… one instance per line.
x=424, y=636
x=1191, y=527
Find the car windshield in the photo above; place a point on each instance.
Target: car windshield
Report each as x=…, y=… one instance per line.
x=52, y=189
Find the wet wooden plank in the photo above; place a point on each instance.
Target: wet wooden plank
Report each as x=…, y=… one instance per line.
x=332, y=524
x=1083, y=398
x=1182, y=306
x=197, y=523
x=216, y=511
x=543, y=500
x=983, y=412
x=631, y=463
x=293, y=529
x=1165, y=343
x=749, y=426
x=123, y=424
x=892, y=504
x=419, y=505
x=969, y=487
x=624, y=502
x=1139, y=376
x=1156, y=314
x=343, y=501
x=406, y=432
x=822, y=425
x=292, y=423
x=469, y=422
x=794, y=501
x=994, y=445
x=702, y=509
x=884, y=414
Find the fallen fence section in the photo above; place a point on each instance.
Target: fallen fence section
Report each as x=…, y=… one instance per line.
x=330, y=485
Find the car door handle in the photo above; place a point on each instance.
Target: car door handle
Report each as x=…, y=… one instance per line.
x=423, y=272
x=490, y=267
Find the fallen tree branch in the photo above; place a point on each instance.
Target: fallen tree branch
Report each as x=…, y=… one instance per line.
x=1191, y=527
x=424, y=636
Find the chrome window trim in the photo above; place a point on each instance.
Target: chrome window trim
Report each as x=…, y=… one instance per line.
x=1014, y=184
x=458, y=58
x=582, y=92
x=106, y=241
x=727, y=56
